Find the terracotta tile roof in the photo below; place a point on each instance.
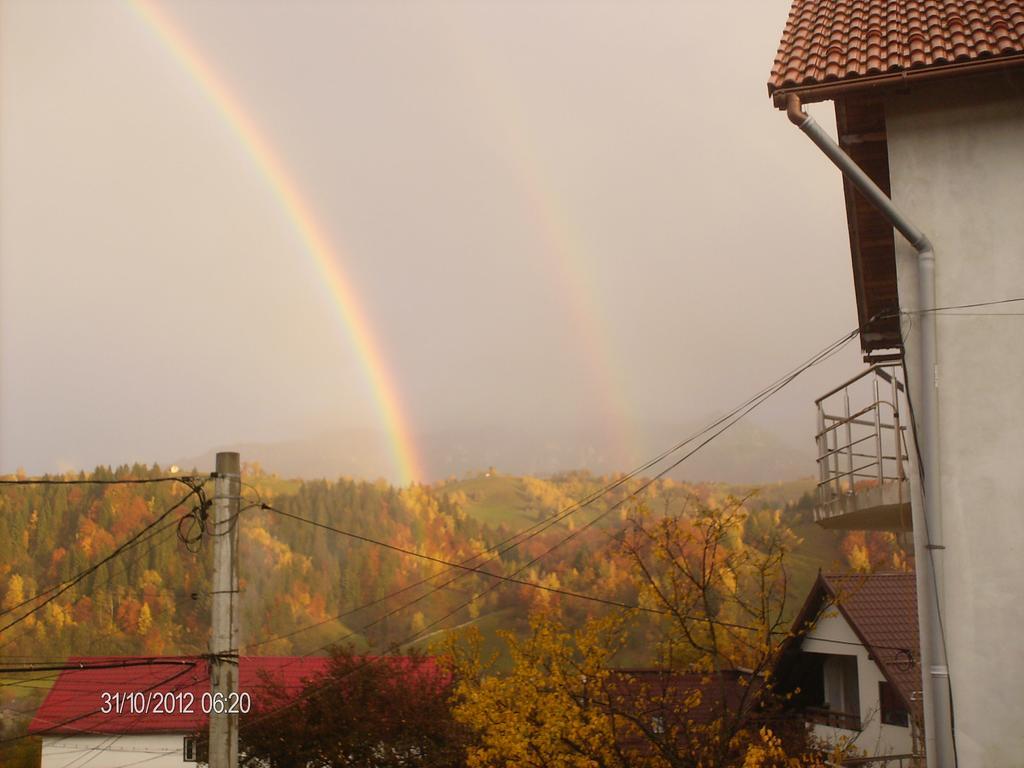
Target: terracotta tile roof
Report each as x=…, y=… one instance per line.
x=74, y=703
x=840, y=40
x=882, y=609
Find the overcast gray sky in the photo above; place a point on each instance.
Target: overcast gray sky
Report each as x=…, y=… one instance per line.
x=553, y=213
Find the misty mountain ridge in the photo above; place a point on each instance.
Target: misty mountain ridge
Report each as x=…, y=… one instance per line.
x=747, y=453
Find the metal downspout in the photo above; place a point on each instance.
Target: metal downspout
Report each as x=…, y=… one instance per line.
x=927, y=516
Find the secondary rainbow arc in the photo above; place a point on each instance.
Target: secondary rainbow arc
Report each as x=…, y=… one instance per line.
x=562, y=241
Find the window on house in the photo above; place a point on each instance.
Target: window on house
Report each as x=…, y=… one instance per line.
x=658, y=724
x=842, y=693
x=192, y=751
x=893, y=711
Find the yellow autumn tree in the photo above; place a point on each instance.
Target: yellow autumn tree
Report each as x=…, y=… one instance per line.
x=145, y=619
x=15, y=592
x=539, y=713
x=719, y=610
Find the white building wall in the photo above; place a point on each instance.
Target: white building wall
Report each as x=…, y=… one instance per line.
x=158, y=750
x=956, y=161
x=875, y=738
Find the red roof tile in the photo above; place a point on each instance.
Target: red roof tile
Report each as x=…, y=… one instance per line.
x=841, y=40
x=74, y=703
x=882, y=609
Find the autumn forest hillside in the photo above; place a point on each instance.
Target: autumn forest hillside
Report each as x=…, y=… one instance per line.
x=305, y=587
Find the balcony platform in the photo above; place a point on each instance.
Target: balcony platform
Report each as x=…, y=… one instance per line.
x=884, y=507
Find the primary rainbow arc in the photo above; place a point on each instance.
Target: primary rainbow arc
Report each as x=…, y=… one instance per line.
x=300, y=213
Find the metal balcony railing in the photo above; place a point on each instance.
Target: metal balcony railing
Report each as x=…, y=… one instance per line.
x=861, y=437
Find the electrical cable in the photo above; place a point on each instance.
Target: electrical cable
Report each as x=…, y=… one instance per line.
x=67, y=584
x=142, y=661
x=189, y=666
x=980, y=314
x=973, y=305
x=753, y=403
x=601, y=516
x=500, y=548
x=186, y=479
x=56, y=585
x=544, y=587
x=198, y=513
x=124, y=569
x=453, y=564
x=736, y=416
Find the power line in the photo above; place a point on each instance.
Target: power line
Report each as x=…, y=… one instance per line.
x=828, y=351
x=146, y=533
x=741, y=411
x=67, y=584
x=71, y=748
x=197, y=490
x=546, y=588
x=728, y=421
x=736, y=415
x=453, y=564
x=24, y=683
x=592, y=522
x=186, y=479
x=189, y=666
x=124, y=570
x=980, y=314
x=82, y=667
x=973, y=305
x=195, y=487
x=500, y=548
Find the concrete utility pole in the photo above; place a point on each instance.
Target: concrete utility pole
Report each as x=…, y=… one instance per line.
x=224, y=641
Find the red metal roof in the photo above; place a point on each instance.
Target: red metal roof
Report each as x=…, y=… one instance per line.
x=831, y=41
x=74, y=703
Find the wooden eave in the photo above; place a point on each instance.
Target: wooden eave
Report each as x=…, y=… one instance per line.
x=860, y=121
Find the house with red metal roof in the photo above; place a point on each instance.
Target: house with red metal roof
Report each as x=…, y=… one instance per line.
x=853, y=665
x=120, y=711
x=927, y=439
